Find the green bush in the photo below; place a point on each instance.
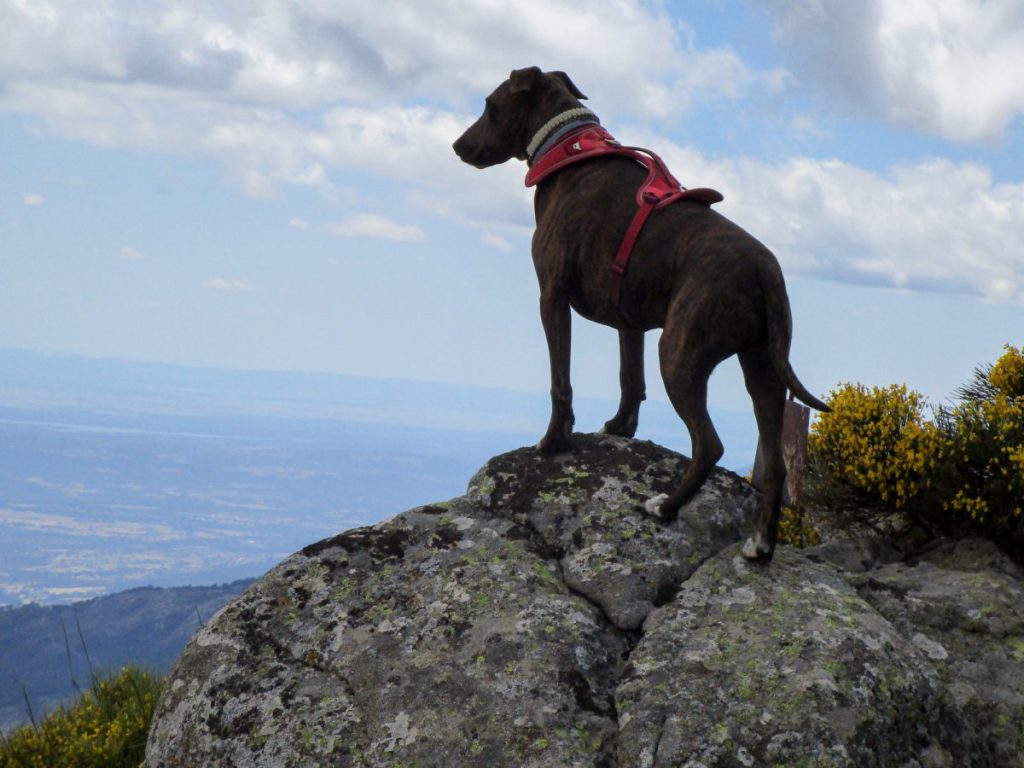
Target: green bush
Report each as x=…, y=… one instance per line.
x=105, y=728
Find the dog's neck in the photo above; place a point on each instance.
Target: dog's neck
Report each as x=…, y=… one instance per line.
x=556, y=128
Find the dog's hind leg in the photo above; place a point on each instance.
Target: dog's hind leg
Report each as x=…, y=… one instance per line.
x=633, y=389
x=686, y=369
x=768, y=393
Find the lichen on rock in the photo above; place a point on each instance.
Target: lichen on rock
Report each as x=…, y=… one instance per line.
x=785, y=665
x=542, y=619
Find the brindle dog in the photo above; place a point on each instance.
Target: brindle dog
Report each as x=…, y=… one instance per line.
x=713, y=288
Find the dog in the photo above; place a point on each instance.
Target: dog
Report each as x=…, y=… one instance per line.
x=713, y=289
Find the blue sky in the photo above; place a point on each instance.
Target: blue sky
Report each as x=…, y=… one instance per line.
x=270, y=184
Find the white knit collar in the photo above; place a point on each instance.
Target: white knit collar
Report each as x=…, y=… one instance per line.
x=578, y=114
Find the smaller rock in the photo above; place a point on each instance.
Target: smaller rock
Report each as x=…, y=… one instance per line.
x=784, y=665
x=962, y=605
x=588, y=508
x=856, y=555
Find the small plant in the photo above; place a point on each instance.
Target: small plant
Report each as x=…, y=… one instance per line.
x=106, y=727
x=796, y=528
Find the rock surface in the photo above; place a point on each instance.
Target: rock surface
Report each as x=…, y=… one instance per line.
x=543, y=619
x=962, y=605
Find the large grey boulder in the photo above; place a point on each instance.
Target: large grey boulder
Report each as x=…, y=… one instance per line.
x=543, y=619
x=784, y=665
x=962, y=605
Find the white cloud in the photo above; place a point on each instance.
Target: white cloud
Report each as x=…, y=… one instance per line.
x=372, y=225
x=229, y=79
x=304, y=92
x=297, y=222
x=127, y=252
x=33, y=198
x=946, y=67
x=226, y=284
x=932, y=225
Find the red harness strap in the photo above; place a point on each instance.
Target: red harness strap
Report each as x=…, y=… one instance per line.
x=659, y=189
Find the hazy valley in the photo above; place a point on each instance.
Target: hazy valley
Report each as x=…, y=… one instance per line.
x=116, y=475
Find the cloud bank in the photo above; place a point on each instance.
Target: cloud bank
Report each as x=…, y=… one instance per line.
x=945, y=67
x=933, y=225
x=310, y=93
x=303, y=92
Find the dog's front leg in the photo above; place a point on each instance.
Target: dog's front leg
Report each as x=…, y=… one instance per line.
x=631, y=383
x=557, y=319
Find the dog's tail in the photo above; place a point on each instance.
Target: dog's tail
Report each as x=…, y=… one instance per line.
x=780, y=332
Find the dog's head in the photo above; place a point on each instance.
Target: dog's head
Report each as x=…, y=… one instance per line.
x=513, y=112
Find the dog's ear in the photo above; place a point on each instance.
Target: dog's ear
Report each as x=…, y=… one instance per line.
x=568, y=84
x=525, y=79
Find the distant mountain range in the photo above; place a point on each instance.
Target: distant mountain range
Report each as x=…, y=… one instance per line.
x=46, y=651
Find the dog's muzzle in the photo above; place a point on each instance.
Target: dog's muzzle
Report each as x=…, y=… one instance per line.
x=476, y=156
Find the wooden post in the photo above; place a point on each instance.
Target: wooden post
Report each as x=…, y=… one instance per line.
x=795, y=423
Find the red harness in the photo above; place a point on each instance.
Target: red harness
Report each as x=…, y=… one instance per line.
x=658, y=190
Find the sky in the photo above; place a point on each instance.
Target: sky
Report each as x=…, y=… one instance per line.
x=270, y=184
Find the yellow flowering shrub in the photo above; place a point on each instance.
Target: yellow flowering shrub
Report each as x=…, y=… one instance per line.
x=1007, y=375
x=105, y=728
x=987, y=435
x=878, y=442
x=961, y=472
x=796, y=528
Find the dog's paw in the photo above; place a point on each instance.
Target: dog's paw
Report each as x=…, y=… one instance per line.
x=653, y=505
x=756, y=549
x=552, y=444
x=619, y=427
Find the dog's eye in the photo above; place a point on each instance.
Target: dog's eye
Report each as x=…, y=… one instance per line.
x=492, y=112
